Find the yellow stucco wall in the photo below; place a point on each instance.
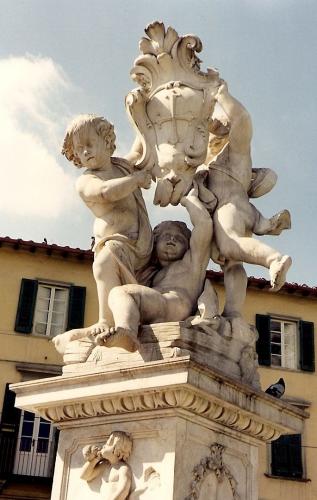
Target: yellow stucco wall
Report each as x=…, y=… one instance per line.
x=299, y=384
x=15, y=347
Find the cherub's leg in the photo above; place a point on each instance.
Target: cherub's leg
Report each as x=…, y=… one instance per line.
x=274, y=225
x=62, y=340
x=106, y=272
x=132, y=305
x=135, y=304
x=263, y=180
x=235, y=281
x=230, y=226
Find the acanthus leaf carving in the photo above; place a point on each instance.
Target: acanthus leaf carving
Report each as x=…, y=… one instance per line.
x=163, y=399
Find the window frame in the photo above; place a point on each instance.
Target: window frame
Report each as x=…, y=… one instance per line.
x=287, y=477
x=306, y=345
x=24, y=319
x=53, y=286
x=284, y=320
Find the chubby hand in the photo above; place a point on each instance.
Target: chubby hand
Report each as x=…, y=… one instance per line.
x=199, y=178
x=144, y=178
x=90, y=452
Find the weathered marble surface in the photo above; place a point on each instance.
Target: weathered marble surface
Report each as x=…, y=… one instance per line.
x=108, y=464
x=231, y=351
x=160, y=398
x=181, y=417
x=194, y=140
x=110, y=187
x=186, y=118
x=170, y=109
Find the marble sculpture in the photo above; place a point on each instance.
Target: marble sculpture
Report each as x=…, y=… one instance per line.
x=194, y=141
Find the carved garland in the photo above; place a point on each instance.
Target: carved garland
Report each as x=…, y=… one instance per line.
x=212, y=463
x=164, y=399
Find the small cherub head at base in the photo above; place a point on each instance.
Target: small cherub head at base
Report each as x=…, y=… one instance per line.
x=118, y=447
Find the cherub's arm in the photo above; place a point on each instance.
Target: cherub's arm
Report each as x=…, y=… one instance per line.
x=120, y=489
x=200, y=241
x=135, y=152
x=94, y=463
x=90, y=470
x=240, y=133
x=91, y=188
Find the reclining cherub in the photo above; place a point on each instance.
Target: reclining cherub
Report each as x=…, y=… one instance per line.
x=182, y=257
x=178, y=278
x=232, y=181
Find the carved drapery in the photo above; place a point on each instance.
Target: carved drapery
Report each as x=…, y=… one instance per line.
x=213, y=463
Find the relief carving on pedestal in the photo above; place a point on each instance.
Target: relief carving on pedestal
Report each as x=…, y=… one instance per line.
x=211, y=477
x=109, y=463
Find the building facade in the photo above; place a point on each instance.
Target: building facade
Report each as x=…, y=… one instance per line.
x=47, y=289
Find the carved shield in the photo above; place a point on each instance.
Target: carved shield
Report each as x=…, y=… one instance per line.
x=171, y=109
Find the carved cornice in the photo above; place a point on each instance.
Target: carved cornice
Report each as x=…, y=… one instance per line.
x=164, y=399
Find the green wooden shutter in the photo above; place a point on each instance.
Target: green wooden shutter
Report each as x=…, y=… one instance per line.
x=263, y=345
x=26, y=305
x=307, y=348
x=9, y=428
x=76, y=308
x=287, y=456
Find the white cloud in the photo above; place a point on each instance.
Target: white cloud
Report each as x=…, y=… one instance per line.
x=32, y=114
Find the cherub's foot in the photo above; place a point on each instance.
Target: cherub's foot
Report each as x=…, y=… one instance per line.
x=119, y=337
x=98, y=328
x=278, y=270
x=279, y=222
x=62, y=340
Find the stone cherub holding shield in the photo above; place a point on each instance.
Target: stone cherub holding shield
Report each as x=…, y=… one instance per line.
x=186, y=121
x=186, y=118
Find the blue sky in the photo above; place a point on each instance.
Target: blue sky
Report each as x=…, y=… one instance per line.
x=61, y=58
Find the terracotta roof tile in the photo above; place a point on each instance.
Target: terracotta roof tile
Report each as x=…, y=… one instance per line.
x=79, y=254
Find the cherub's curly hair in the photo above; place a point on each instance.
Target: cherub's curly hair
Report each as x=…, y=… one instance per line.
x=102, y=127
x=122, y=444
x=163, y=226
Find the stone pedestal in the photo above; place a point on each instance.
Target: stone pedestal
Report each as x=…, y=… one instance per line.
x=195, y=431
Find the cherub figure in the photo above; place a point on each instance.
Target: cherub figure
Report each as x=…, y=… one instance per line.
x=110, y=462
x=110, y=187
x=182, y=257
x=232, y=181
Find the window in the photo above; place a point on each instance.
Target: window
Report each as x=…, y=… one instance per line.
x=285, y=343
x=9, y=427
x=50, y=310
x=28, y=443
x=286, y=457
x=35, y=450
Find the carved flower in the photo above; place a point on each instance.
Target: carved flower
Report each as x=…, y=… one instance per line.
x=159, y=40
